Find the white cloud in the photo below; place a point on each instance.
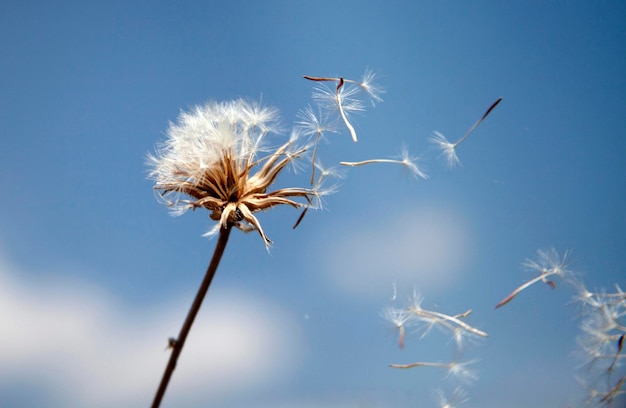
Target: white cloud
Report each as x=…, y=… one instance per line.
x=425, y=247
x=88, y=349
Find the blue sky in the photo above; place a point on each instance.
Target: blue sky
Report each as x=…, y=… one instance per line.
x=95, y=275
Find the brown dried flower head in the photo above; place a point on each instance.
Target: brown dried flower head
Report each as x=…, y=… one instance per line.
x=216, y=157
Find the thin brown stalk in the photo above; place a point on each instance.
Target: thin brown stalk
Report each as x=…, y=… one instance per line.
x=300, y=218
x=319, y=79
x=178, y=343
x=317, y=139
x=478, y=122
x=331, y=79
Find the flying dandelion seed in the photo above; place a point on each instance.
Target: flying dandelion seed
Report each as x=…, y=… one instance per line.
x=406, y=160
x=548, y=263
x=345, y=96
x=449, y=149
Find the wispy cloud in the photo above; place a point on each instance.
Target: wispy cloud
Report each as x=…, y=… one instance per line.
x=427, y=247
x=89, y=349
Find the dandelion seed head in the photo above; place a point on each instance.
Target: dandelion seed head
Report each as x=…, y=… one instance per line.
x=216, y=157
x=256, y=115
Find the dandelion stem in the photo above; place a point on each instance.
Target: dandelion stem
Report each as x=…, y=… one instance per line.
x=420, y=364
x=365, y=162
x=541, y=277
x=460, y=323
x=342, y=113
x=191, y=315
